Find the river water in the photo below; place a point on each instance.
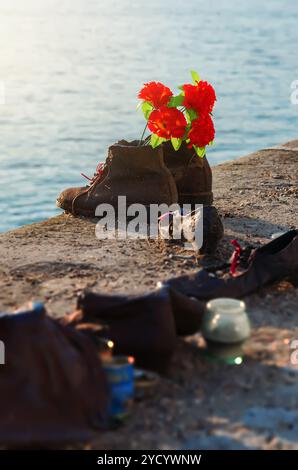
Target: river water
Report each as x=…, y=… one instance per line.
x=70, y=71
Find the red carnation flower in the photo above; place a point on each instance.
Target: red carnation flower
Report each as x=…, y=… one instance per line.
x=167, y=122
x=200, y=97
x=202, y=131
x=155, y=93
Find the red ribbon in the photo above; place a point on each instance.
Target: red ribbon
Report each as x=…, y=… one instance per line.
x=235, y=258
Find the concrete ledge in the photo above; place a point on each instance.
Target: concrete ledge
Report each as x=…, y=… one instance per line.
x=257, y=196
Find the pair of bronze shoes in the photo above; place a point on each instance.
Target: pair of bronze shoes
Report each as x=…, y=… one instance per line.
x=145, y=176
x=148, y=176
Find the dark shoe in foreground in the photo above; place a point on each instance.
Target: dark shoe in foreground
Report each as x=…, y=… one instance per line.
x=137, y=172
x=274, y=261
x=191, y=173
x=188, y=313
x=144, y=326
x=53, y=389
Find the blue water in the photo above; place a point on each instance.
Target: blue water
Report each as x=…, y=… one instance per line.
x=71, y=70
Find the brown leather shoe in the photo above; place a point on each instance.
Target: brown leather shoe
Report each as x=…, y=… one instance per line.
x=53, y=388
x=104, y=309
x=141, y=326
x=191, y=173
x=275, y=261
x=137, y=172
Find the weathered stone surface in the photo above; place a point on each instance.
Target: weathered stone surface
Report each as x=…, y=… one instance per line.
x=256, y=196
x=280, y=421
x=270, y=418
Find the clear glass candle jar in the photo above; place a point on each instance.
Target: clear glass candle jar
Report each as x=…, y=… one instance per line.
x=225, y=328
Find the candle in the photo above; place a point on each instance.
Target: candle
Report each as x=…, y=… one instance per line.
x=225, y=328
x=106, y=347
x=120, y=376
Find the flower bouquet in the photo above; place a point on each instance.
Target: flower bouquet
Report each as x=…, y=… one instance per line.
x=185, y=117
x=166, y=170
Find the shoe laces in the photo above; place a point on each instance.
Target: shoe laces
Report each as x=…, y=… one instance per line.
x=98, y=173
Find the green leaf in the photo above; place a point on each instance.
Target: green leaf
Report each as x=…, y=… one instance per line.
x=181, y=88
x=195, y=76
x=155, y=141
x=191, y=115
x=200, y=151
x=147, y=109
x=176, y=101
x=176, y=143
x=211, y=143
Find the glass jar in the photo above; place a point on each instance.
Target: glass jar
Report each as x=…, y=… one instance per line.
x=225, y=328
